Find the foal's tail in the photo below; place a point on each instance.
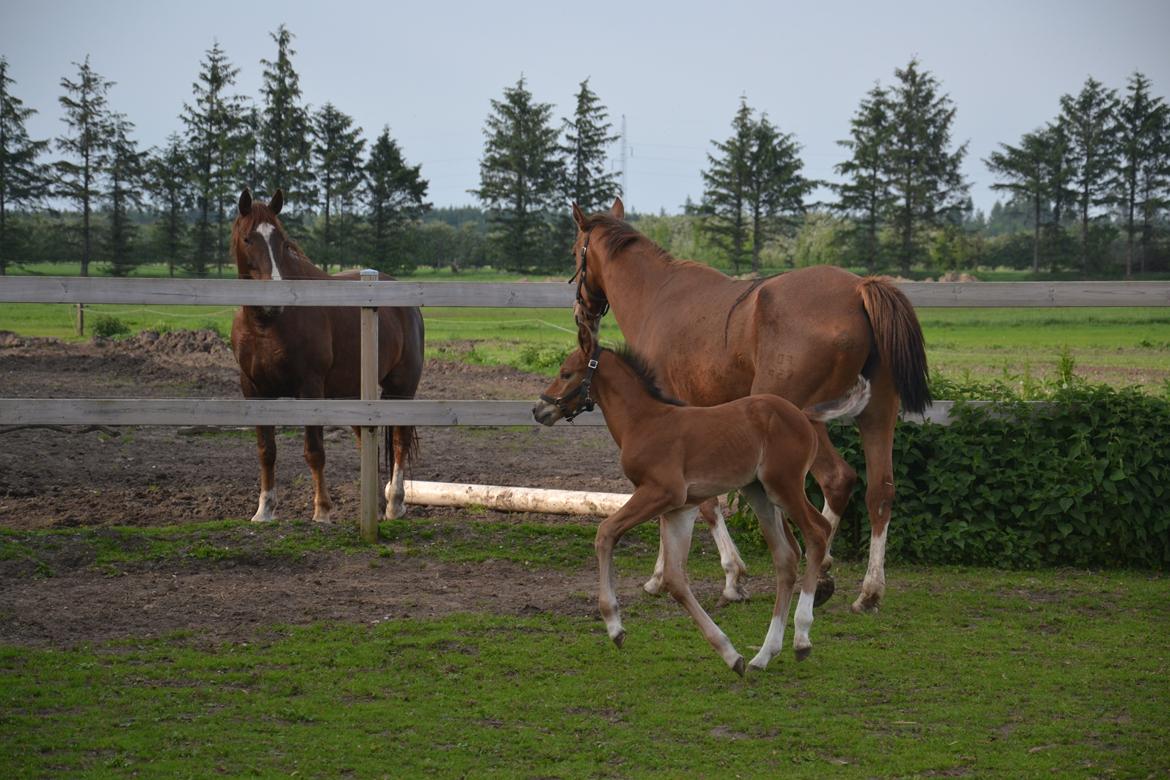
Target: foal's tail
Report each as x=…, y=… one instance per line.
x=848, y=405
x=900, y=345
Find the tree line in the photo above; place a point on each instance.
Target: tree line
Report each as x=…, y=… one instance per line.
x=1099, y=170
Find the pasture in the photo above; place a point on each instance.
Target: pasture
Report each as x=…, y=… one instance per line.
x=146, y=629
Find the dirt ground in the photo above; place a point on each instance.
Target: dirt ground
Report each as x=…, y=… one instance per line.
x=149, y=476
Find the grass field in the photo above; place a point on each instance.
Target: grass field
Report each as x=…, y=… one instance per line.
x=965, y=672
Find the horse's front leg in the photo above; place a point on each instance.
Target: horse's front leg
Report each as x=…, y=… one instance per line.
x=315, y=457
x=677, y=527
x=643, y=505
x=266, y=451
x=729, y=558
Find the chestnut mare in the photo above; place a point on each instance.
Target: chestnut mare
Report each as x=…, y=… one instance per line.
x=804, y=335
x=679, y=456
x=314, y=352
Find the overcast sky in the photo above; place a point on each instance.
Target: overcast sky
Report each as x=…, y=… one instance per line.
x=676, y=70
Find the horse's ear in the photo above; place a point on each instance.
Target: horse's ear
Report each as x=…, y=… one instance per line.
x=245, y=202
x=585, y=338
x=618, y=209
x=579, y=216
x=277, y=201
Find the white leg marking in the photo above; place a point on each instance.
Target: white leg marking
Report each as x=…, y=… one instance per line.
x=773, y=642
x=729, y=558
x=874, y=584
x=653, y=586
x=395, y=494
x=803, y=620
x=266, y=511
x=834, y=521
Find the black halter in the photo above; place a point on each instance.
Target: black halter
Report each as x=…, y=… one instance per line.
x=583, y=285
x=582, y=392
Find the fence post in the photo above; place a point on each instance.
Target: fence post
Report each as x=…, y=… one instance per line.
x=369, y=376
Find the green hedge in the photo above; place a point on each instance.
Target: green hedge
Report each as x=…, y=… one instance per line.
x=1081, y=480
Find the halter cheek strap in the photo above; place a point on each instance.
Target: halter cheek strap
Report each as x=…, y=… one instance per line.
x=586, y=404
x=583, y=285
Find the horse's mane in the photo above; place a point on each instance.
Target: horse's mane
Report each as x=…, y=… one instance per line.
x=644, y=373
x=619, y=235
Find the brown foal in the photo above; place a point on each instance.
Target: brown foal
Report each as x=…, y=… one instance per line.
x=679, y=456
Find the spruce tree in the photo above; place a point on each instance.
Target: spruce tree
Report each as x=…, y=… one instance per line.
x=285, y=132
x=865, y=195
x=1024, y=171
x=776, y=188
x=126, y=171
x=87, y=142
x=1088, y=120
x=520, y=182
x=22, y=179
x=213, y=134
x=1154, y=180
x=168, y=181
x=1137, y=136
x=725, y=190
x=922, y=170
x=337, y=163
x=587, y=136
x=395, y=194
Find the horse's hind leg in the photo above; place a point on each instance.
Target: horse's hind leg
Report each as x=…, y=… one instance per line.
x=403, y=444
x=266, y=450
x=729, y=559
x=876, y=425
x=785, y=559
x=315, y=457
x=836, y=479
x=677, y=527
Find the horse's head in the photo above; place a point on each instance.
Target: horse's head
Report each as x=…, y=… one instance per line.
x=568, y=395
x=258, y=239
x=591, y=304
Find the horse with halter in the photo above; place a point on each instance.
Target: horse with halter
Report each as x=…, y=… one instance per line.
x=804, y=335
x=679, y=456
x=314, y=352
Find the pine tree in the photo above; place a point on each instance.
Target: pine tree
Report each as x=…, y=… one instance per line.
x=169, y=182
x=1137, y=135
x=1025, y=171
x=1154, y=180
x=88, y=142
x=213, y=134
x=923, y=172
x=22, y=179
x=284, y=132
x=395, y=194
x=866, y=195
x=750, y=185
x=337, y=153
x=125, y=174
x=587, y=136
x=725, y=189
x=520, y=180
x=1088, y=121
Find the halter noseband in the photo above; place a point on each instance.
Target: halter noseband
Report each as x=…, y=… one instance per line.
x=583, y=285
x=582, y=392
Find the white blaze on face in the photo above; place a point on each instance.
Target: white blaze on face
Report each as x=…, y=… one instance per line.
x=266, y=229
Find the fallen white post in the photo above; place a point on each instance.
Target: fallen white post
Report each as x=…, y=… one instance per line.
x=514, y=499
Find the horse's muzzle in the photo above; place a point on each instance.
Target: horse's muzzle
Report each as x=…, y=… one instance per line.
x=546, y=413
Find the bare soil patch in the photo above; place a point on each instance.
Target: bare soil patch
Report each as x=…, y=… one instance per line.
x=151, y=476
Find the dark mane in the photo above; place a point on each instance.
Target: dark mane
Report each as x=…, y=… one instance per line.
x=618, y=234
x=645, y=373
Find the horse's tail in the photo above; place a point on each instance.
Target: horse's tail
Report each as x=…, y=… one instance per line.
x=848, y=405
x=402, y=438
x=900, y=345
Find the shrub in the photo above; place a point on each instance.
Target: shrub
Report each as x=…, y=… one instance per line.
x=108, y=327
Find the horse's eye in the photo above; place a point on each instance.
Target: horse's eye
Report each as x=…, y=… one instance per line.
x=565, y=375
x=248, y=241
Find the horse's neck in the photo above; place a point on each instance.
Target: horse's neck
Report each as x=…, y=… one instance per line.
x=300, y=267
x=620, y=394
x=634, y=278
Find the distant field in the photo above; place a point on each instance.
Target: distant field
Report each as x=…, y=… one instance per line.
x=1129, y=346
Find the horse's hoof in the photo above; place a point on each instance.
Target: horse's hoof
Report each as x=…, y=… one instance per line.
x=826, y=587
x=653, y=587
x=866, y=604
x=757, y=665
x=619, y=638
x=803, y=653
x=738, y=667
x=394, y=512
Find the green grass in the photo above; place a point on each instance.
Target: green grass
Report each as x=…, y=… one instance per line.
x=965, y=671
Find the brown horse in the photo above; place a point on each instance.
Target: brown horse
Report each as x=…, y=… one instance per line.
x=679, y=456
x=804, y=335
x=314, y=352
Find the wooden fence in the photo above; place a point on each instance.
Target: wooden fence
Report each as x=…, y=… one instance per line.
x=369, y=294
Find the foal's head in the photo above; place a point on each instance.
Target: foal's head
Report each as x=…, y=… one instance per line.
x=258, y=238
